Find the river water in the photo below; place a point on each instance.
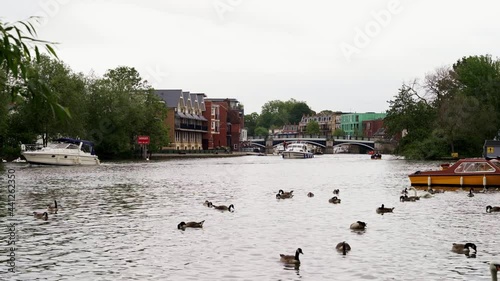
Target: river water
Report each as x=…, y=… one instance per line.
x=119, y=222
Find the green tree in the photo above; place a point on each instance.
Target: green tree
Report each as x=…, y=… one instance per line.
x=325, y=112
x=338, y=133
x=297, y=110
x=277, y=113
x=251, y=122
x=261, y=131
x=16, y=54
x=411, y=114
x=122, y=106
x=67, y=88
x=312, y=128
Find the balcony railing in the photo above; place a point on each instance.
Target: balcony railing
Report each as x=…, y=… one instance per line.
x=191, y=127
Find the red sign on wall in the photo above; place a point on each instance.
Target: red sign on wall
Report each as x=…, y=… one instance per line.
x=143, y=139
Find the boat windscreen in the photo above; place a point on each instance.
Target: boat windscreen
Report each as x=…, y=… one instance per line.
x=496, y=163
x=474, y=167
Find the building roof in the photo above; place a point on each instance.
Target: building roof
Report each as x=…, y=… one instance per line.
x=170, y=97
x=201, y=101
x=492, y=143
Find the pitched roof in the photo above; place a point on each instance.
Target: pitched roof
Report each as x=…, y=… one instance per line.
x=170, y=97
x=201, y=101
x=187, y=99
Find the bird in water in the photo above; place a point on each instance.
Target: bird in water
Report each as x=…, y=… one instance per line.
x=291, y=259
x=224, y=208
x=490, y=209
x=44, y=215
x=52, y=209
x=191, y=224
x=382, y=209
x=334, y=200
x=284, y=195
x=471, y=194
x=463, y=248
x=343, y=247
x=359, y=225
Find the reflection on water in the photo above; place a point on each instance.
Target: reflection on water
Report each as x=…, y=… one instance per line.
x=119, y=222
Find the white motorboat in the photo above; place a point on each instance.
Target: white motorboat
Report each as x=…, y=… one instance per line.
x=297, y=151
x=62, y=151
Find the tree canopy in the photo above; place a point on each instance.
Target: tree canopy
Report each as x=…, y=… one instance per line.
x=276, y=113
x=455, y=110
x=17, y=43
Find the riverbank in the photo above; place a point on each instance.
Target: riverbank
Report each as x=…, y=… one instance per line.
x=200, y=155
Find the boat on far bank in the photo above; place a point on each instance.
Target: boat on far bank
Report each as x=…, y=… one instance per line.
x=471, y=173
x=63, y=152
x=297, y=151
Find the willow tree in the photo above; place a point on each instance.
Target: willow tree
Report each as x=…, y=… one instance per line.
x=18, y=46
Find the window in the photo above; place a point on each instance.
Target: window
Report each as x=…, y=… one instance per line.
x=474, y=167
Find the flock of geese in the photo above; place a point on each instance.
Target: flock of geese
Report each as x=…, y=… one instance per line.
x=183, y=225
x=343, y=247
x=458, y=248
x=50, y=209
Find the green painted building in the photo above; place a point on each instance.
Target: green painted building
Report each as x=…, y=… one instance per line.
x=352, y=123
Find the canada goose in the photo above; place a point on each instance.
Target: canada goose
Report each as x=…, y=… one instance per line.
x=359, y=225
x=336, y=191
x=52, y=209
x=334, y=200
x=463, y=248
x=406, y=198
x=490, y=209
x=291, y=258
x=192, y=224
x=284, y=195
x=310, y=194
x=208, y=204
x=471, y=194
x=494, y=268
x=43, y=215
x=382, y=209
x=343, y=247
x=224, y=208
x=434, y=191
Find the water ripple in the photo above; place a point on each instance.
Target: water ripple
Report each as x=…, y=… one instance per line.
x=118, y=222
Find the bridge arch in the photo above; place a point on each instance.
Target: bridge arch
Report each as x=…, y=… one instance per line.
x=257, y=144
x=355, y=143
x=302, y=141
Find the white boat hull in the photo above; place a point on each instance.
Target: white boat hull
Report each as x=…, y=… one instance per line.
x=63, y=152
x=63, y=159
x=297, y=155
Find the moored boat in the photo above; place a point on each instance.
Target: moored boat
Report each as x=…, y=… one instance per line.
x=62, y=151
x=297, y=151
x=475, y=173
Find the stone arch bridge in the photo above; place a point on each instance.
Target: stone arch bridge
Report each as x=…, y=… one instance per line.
x=325, y=144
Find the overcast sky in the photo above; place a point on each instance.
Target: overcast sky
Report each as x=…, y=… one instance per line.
x=336, y=55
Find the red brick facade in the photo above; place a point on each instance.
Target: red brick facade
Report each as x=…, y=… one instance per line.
x=371, y=127
x=225, y=122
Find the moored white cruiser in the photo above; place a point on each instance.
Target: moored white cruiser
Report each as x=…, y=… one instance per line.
x=62, y=151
